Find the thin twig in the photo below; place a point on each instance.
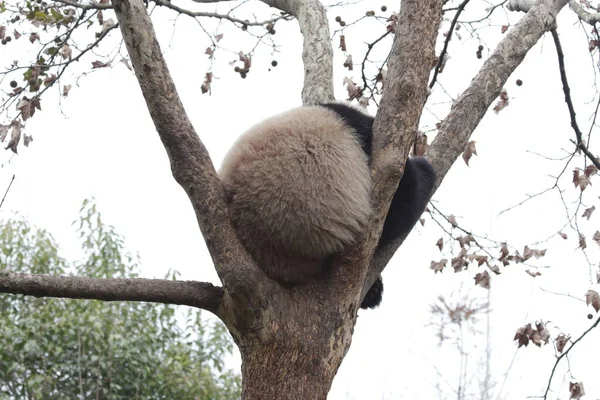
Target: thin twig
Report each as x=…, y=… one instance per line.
x=7, y=189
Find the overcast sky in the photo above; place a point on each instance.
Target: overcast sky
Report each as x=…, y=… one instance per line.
x=101, y=143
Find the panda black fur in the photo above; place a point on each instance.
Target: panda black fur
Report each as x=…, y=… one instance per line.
x=299, y=190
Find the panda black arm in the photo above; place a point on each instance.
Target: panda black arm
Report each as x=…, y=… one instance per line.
x=410, y=199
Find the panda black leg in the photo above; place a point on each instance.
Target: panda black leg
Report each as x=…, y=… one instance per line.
x=374, y=295
x=409, y=200
x=407, y=206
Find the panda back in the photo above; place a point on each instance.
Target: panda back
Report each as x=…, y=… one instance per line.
x=298, y=185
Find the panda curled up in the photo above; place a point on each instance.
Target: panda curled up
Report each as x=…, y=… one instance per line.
x=299, y=188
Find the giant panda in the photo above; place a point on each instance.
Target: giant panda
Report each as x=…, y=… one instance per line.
x=298, y=187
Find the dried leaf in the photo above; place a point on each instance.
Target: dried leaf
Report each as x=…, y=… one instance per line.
x=504, y=29
x=592, y=297
x=348, y=62
x=502, y=101
x=470, y=150
x=588, y=212
x=452, y=220
x=576, y=390
x=438, y=266
x=219, y=37
x=563, y=235
x=582, y=244
x=66, y=52
x=591, y=170
x=439, y=244
x=483, y=279
x=561, y=341
x=533, y=273
x=15, y=136
x=4, y=132
x=343, y=42
x=209, y=51
x=99, y=64
x=33, y=37
x=495, y=269
x=66, y=90
x=522, y=335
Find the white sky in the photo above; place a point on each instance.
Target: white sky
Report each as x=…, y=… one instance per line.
x=105, y=146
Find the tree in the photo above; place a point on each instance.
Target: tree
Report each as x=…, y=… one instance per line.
x=289, y=350
x=66, y=349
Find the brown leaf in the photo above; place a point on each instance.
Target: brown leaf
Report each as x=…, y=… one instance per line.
x=470, y=150
x=592, y=297
x=2, y=31
x=439, y=244
x=522, y=335
x=502, y=101
x=533, y=273
x=582, y=244
x=421, y=145
x=27, y=139
x=438, y=266
x=33, y=37
x=465, y=240
x=99, y=64
x=348, y=62
x=591, y=170
x=504, y=29
x=209, y=51
x=15, y=136
x=66, y=52
x=563, y=235
x=596, y=237
x=16, y=34
x=576, y=390
x=452, y=220
x=219, y=37
x=495, y=269
x=100, y=17
x=561, y=341
x=544, y=334
x=343, y=42
x=483, y=279
x=588, y=212
x=207, y=83
x=481, y=260
x=580, y=180
x=504, y=251
x=66, y=90
x=4, y=132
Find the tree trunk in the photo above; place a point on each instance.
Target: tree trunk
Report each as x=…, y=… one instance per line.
x=295, y=353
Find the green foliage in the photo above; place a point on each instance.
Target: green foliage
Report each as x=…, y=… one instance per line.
x=85, y=349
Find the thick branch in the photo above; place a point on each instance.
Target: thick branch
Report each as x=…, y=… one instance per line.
x=317, y=54
x=567, y=91
x=468, y=110
x=590, y=18
x=190, y=162
x=190, y=293
x=400, y=109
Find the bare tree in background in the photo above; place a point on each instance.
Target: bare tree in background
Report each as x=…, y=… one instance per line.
x=292, y=340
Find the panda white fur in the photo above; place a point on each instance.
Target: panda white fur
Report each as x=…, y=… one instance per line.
x=299, y=190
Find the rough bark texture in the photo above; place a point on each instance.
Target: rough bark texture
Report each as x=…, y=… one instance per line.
x=317, y=54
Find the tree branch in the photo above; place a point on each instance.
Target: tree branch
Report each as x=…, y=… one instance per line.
x=567, y=91
x=317, y=54
x=398, y=116
x=468, y=110
x=590, y=18
x=190, y=293
x=190, y=162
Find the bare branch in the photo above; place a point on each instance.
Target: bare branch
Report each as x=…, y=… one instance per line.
x=317, y=54
x=190, y=162
x=181, y=10
x=468, y=110
x=190, y=293
x=444, y=51
x=567, y=91
x=564, y=354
